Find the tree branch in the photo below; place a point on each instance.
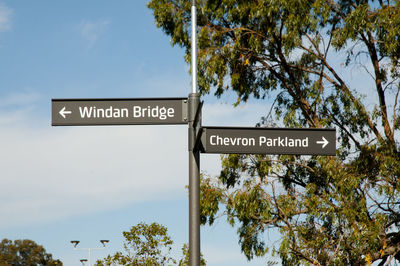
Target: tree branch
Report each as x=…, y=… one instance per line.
x=370, y=43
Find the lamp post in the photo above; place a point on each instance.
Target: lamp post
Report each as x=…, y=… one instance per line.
x=76, y=242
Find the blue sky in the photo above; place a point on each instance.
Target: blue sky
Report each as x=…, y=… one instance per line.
x=66, y=183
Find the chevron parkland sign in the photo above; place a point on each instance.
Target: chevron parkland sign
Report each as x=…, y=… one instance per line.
x=246, y=140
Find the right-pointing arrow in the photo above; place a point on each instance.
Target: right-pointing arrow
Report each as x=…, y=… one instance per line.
x=324, y=142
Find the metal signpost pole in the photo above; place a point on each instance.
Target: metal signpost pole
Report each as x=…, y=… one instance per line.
x=194, y=186
x=194, y=156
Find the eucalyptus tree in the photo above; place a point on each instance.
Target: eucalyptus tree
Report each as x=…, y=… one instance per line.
x=144, y=244
x=315, y=64
x=147, y=244
x=22, y=252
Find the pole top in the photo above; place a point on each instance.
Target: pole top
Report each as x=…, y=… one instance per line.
x=193, y=2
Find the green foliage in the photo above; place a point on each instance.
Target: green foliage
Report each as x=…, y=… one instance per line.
x=24, y=253
x=341, y=210
x=147, y=244
x=144, y=245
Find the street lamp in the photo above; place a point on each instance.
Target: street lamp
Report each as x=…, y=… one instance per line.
x=76, y=242
x=104, y=242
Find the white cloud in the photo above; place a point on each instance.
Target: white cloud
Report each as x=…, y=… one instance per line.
x=19, y=99
x=5, y=17
x=56, y=172
x=91, y=31
x=15, y=108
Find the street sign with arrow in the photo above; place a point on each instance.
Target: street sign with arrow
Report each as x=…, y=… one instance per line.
x=247, y=140
x=139, y=111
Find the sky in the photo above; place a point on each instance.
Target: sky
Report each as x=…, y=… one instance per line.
x=59, y=184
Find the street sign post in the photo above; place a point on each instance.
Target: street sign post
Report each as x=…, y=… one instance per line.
x=139, y=111
x=246, y=140
x=158, y=111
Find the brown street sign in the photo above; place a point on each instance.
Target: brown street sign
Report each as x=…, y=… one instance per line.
x=246, y=140
x=139, y=111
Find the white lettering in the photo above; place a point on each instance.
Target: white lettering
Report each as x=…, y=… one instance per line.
x=304, y=142
x=211, y=140
x=227, y=141
x=171, y=112
x=110, y=112
x=154, y=112
x=282, y=142
x=85, y=112
x=291, y=142
x=161, y=113
x=137, y=111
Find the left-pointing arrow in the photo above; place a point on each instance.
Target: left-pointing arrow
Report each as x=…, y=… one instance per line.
x=64, y=112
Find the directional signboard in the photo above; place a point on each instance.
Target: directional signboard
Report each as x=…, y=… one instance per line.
x=141, y=111
x=268, y=140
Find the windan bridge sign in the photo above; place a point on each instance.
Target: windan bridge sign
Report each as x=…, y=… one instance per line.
x=140, y=111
